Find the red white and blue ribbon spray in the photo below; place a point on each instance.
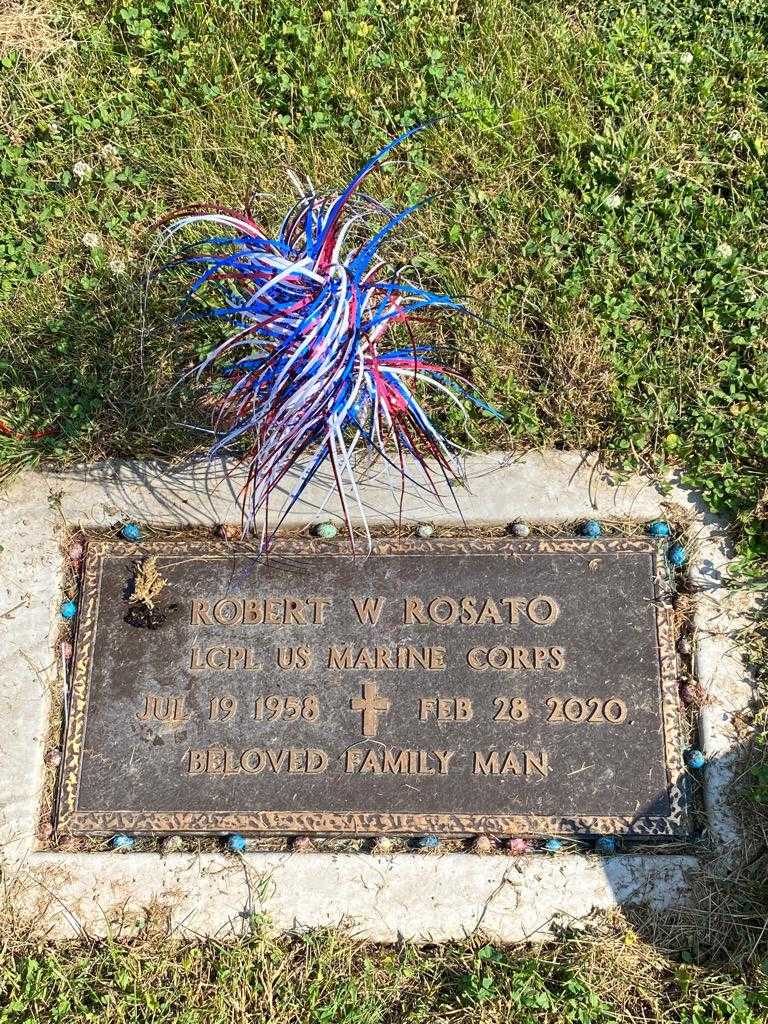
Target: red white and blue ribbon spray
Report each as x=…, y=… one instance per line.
x=326, y=350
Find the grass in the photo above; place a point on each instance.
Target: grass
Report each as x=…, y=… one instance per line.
x=601, y=199
x=324, y=979
x=599, y=196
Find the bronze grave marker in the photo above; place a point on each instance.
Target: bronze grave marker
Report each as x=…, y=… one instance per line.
x=452, y=686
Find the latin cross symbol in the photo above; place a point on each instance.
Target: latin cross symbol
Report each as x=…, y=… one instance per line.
x=372, y=704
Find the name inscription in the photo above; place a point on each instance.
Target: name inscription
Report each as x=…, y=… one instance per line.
x=315, y=692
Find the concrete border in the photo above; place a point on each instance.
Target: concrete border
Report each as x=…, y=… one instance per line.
x=383, y=898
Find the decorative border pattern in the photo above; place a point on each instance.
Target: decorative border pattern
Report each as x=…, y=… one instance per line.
x=215, y=548
x=676, y=825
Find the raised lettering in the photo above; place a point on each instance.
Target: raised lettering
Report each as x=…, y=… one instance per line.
x=515, y=606
x=521, y=658
x=368, y=609
x=395, y=765
x=414, y=612
x=443, y=610
x=427, y=706
x=540, y=657
x=216, y=658
x=546, y=617
x=228, y=611
x=317, y=761
x=490, y=613
x=252, y=761
x=274, y=611
x=293, y=658
x=351, y=759
x=444, y=758
x=370, y=764
x=463, y=709
x=198, y=760
x=339, y=657
x=276, y=762
x=253, y=612
x=294, y=612
x=200, y=614
x=486, y=765
x=511, y=765
x=319, y=607
x=167, y=710
x=538, y=763
x=474, y=656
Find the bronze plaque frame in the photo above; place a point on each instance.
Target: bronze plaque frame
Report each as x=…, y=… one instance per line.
x=71, y=819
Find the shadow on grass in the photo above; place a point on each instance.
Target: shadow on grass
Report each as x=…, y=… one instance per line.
x=96, y=378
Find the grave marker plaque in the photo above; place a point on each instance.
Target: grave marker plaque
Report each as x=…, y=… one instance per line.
x=452, y=686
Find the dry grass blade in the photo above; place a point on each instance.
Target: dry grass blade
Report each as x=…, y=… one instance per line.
x=148, y=584
x=28, y=28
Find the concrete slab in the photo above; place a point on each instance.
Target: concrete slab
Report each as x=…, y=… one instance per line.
x=423, y=897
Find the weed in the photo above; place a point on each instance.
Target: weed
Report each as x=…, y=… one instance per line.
x=148, y=584
x=324, y=978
